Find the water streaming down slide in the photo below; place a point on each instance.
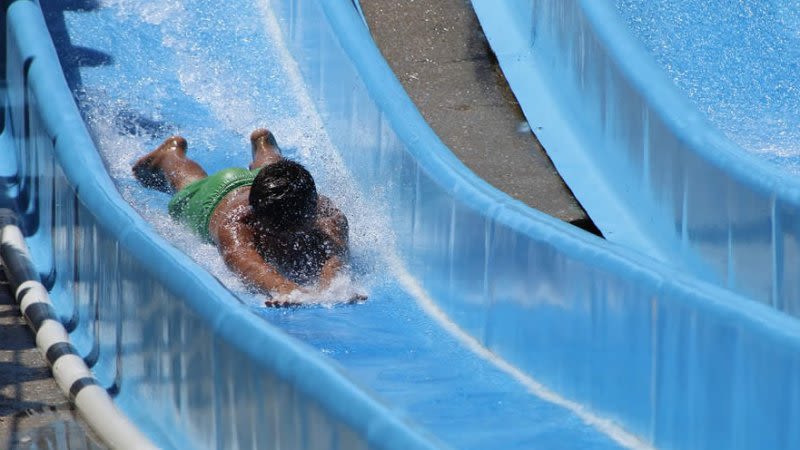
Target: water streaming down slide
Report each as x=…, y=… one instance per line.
x=214, y=74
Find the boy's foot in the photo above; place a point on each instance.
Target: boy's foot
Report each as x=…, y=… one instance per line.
x=148, y=168
x=263, y=137
x=264, y=144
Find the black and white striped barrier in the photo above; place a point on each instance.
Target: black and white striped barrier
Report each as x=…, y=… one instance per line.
x=70, y=371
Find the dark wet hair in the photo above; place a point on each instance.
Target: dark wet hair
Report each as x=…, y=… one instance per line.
x=284, y=195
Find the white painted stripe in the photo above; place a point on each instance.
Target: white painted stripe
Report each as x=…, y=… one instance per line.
x=13, y=236
x=35, y=293
x=30, y=284
x=97, y=408
x=605, y=426
x=68, y=369
x=49, y=333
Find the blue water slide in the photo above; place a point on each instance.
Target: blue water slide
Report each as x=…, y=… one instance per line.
x=488, y=325
x=614, y=91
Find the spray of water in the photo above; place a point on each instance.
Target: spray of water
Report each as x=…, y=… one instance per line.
x=229, y=94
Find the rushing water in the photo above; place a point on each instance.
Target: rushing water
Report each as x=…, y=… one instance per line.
x=737, y=60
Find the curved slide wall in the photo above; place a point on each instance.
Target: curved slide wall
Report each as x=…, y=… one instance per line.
x=677, y=362
x=646, y=164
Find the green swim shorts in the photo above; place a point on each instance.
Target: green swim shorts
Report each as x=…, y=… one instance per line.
x=194, y=204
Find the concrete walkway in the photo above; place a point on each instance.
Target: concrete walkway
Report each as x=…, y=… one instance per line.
x=439, y=53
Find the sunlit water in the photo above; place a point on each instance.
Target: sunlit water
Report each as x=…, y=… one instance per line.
x=736, y=60
x=213, y=74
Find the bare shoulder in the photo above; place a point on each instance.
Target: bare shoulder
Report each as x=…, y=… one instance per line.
x=327, y=212
x=326, y=207
x=231, y=216
x=332, y=221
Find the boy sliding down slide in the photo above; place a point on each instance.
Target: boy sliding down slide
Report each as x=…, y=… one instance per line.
x=268, y=223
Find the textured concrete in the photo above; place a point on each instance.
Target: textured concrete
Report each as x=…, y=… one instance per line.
x=34, y=414
x=438, y=51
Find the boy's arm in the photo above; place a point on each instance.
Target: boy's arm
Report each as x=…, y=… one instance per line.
x=334, y=224
x=237, y=246
x=329, y=270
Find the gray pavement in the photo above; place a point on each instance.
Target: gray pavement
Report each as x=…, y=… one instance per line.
x=439, y=53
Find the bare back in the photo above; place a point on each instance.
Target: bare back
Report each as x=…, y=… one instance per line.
x=297, y=256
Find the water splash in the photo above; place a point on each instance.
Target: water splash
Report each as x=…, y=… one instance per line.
x=214, y=88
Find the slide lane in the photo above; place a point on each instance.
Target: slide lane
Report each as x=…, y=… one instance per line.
x=142, y=72
x=470, y=291
x=658, y=156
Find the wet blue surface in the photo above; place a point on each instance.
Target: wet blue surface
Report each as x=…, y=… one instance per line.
x=391, y=346
x=737, y=61
x=144, y=71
